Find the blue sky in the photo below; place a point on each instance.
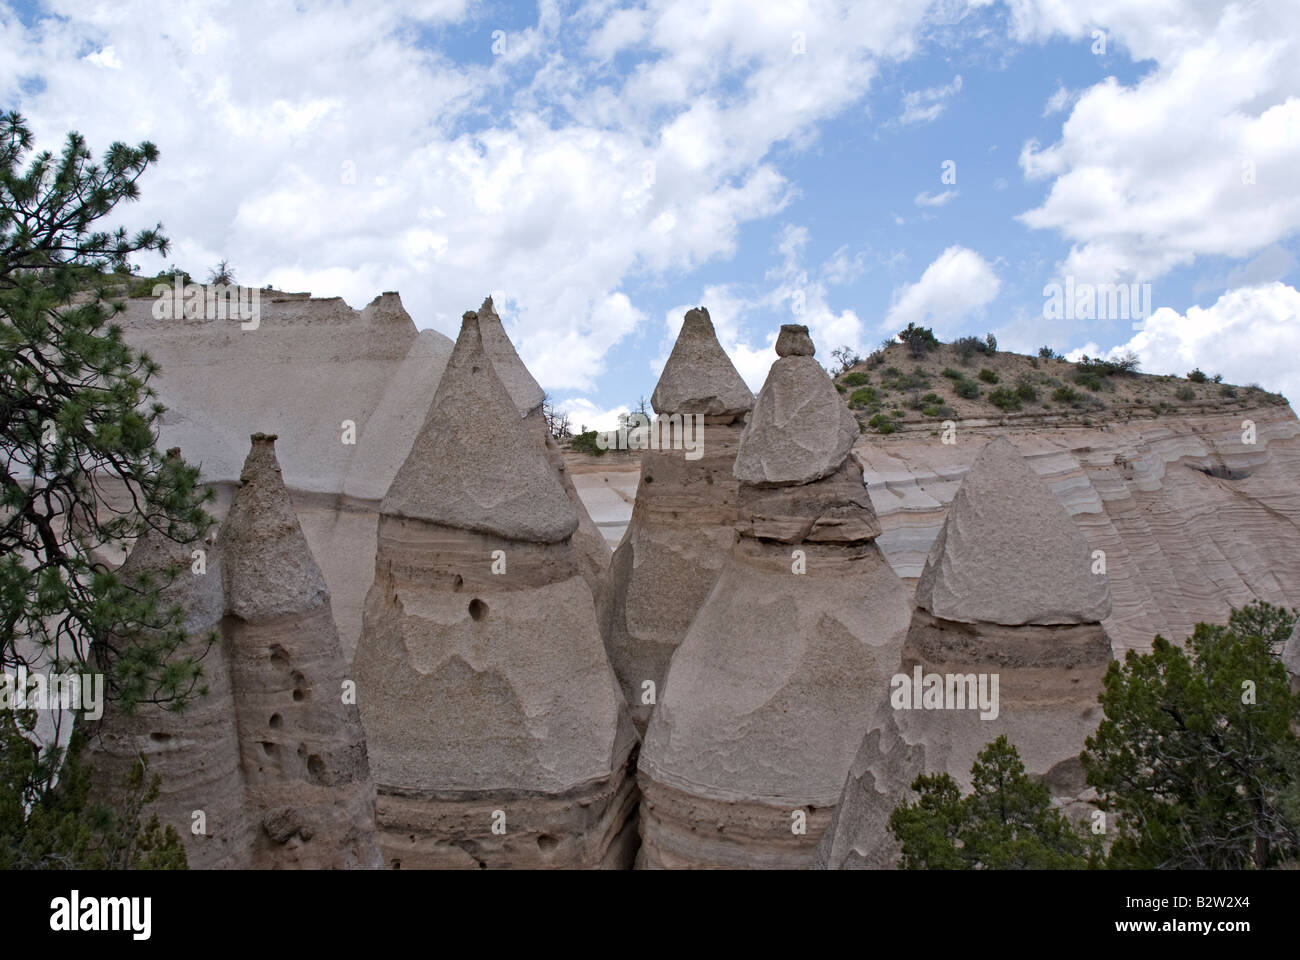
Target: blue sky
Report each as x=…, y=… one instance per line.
x=600, y=167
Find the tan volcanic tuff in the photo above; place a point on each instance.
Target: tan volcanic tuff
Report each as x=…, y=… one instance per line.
x=303, y=751
x=1008, y=593
x=310, y=365
x=593, y=551
x=1008, y=553
x=683, y=522
x=768, y=695
x=497, y=730
x=801, y=430
x=1193, y=521
x=196, y=752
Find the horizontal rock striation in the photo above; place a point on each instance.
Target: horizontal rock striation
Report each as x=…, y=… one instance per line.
x=1009, y=594
x=498, y=734
x=1192, y=520
x=301, y=745
x=766, y=697
x=683, y=523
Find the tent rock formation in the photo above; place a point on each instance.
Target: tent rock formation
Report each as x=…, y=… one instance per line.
x=1008, y=590
x=765, y=699
x=497, y=731
x=683, y=520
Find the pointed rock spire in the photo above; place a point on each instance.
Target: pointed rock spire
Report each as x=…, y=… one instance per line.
x=465, y=469
x=1008, y=596
x=762, y=708
x=275, y=572
x=519, y=383
x=302, y=749
x=683, y=521
x=699, y=377
x=481, y=675
x=1009, y=553
x=800, y=430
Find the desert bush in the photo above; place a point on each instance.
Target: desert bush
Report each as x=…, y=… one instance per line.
x=1026, y=392
x=1004, y=399
x=863, y=396
x=1197, y=376
x=882, y=424
x=966, y=389
x=989, y=376
x=855, y=379
x=1069, y=395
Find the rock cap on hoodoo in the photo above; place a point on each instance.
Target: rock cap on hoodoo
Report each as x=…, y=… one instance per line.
x=472, y=466
x=699, y=377
x=1008, y=552
x=801, y=429
x=524, y=390
x=275, y=572
x=793, y=341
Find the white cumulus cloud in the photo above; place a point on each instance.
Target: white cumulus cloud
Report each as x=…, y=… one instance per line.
x=957, y=284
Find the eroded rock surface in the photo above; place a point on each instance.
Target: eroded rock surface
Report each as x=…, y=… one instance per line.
x=767, y=696
x=498, y=734
x=986, y=611
x=683, y=522
x=301, y=745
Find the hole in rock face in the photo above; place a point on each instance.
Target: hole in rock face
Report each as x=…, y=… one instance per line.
x=298, y=696
x=649, y=479
x=397, y=864
x=546, y=843
x=159, y=737
x=477, y=609
x=457, y=583
x=316, y=768
x=276, y=721
x=482, y=865
x=269, y=748
x=278, y=655
x=1223, y=472
x=473, y=369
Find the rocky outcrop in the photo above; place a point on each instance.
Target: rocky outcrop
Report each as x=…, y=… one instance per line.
x=763, y=708
x=195, y=754
x=1008, y=624
x=683, y=524
x=301, y=746
x=350, y=386
x=588, y=541
x=497, y=731
x=1192, y=520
